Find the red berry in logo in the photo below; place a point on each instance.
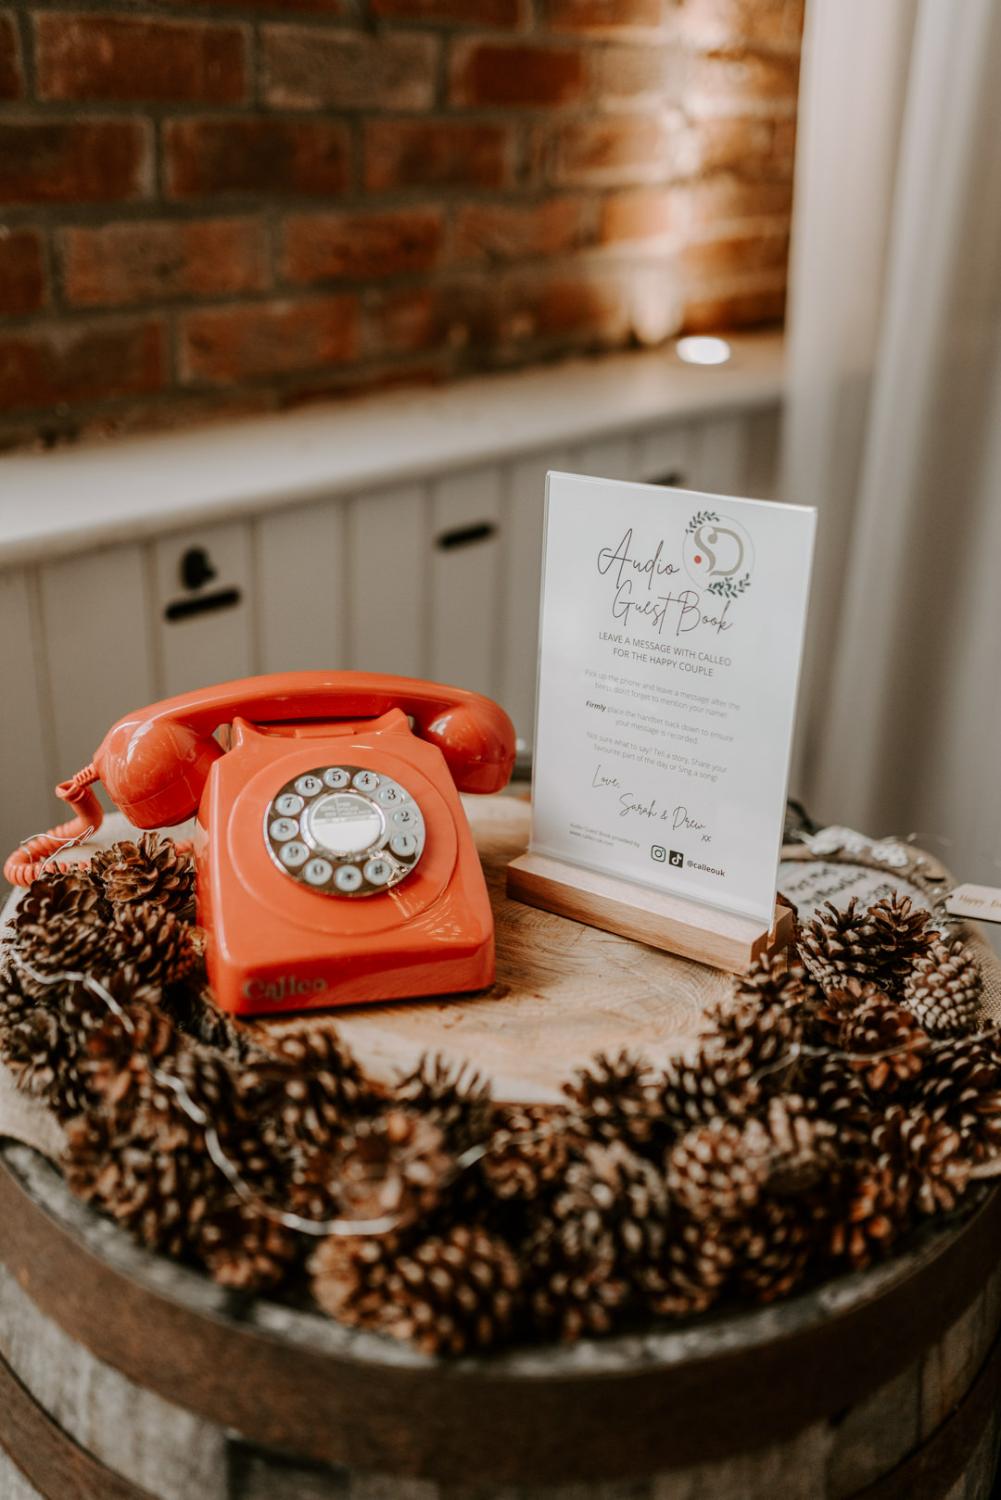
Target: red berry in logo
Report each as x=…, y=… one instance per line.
x=698, y=558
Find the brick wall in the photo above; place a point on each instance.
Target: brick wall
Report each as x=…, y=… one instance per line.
x=209, y=206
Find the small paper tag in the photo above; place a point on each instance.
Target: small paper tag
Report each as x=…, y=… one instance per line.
x=982, y=902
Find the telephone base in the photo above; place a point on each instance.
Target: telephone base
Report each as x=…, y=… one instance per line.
x=720, y=939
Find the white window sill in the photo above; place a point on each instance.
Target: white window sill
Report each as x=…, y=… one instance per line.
x=138, y=487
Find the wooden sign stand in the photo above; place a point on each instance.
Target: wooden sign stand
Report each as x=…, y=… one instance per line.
x=720, y=939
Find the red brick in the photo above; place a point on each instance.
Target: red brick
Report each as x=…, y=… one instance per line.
x=478, y=13
x=727, y=196
x=613, y=150
x=639, y=213
x=221, y=346
x=362, y=246
x=140, y=262
x=632, y=74
x=738, y=310
x=561, y=307
x=309, y=68
x=512, y=73
x=73, y=161
x=404, y=322
x=22, y=272
x=514, y=231
x=738, y=254
x=11, y=81
x=430, y=153
x=127, y=58
x=735, y=80
x=775, y=24
x=330, y=8
x=264, y=155
x=709, y=145
x=605, y=17
x=42, y=367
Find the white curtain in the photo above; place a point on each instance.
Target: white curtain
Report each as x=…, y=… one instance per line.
x=893, y=423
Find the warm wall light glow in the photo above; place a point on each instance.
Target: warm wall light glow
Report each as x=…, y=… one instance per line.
x=699, y=350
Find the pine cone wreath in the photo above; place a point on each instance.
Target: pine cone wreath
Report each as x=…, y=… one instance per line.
x=448, y=1294
x=150, y=872
x=456, y=1099
x=942, y=989
x=615, y=1099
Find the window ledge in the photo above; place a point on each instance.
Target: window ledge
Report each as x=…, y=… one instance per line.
x=130, y=488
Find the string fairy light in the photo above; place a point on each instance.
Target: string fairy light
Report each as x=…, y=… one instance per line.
x=385, y=1224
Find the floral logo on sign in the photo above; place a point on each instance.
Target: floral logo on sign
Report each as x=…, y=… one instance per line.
x=718, y=554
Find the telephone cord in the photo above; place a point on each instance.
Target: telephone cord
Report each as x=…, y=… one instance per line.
x=27, y=861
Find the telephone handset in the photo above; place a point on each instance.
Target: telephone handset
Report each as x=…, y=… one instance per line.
x=334, y=861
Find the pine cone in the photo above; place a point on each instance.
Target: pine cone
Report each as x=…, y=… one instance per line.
x=308, y=1085
x=874, y=1210
x=775, y=979
x=842, y=1098
x=942, y=989
x=773, y=1249
x=456, y=1100
x=601, y=1244
x=712, y=1176
x=529, y=1152
x=711, y=1083
x=393, y=1165
x=884, y=1042
x=839, y=945
x=450, y=1293
x=760, y=1029
x=964, y=1092
x=241, y=1247
x=59, y=940
x=615, y=1099
x=902, y=933
x=926, y=1156
x=698, y=1268
x=59, y=893
x=151, y=871
x=141, y=1159
x=151, y=944
x=47, y=1043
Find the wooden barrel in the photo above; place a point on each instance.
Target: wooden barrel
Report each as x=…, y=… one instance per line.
x=124, y=1376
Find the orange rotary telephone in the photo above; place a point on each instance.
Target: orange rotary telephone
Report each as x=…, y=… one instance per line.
x=334, y=860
